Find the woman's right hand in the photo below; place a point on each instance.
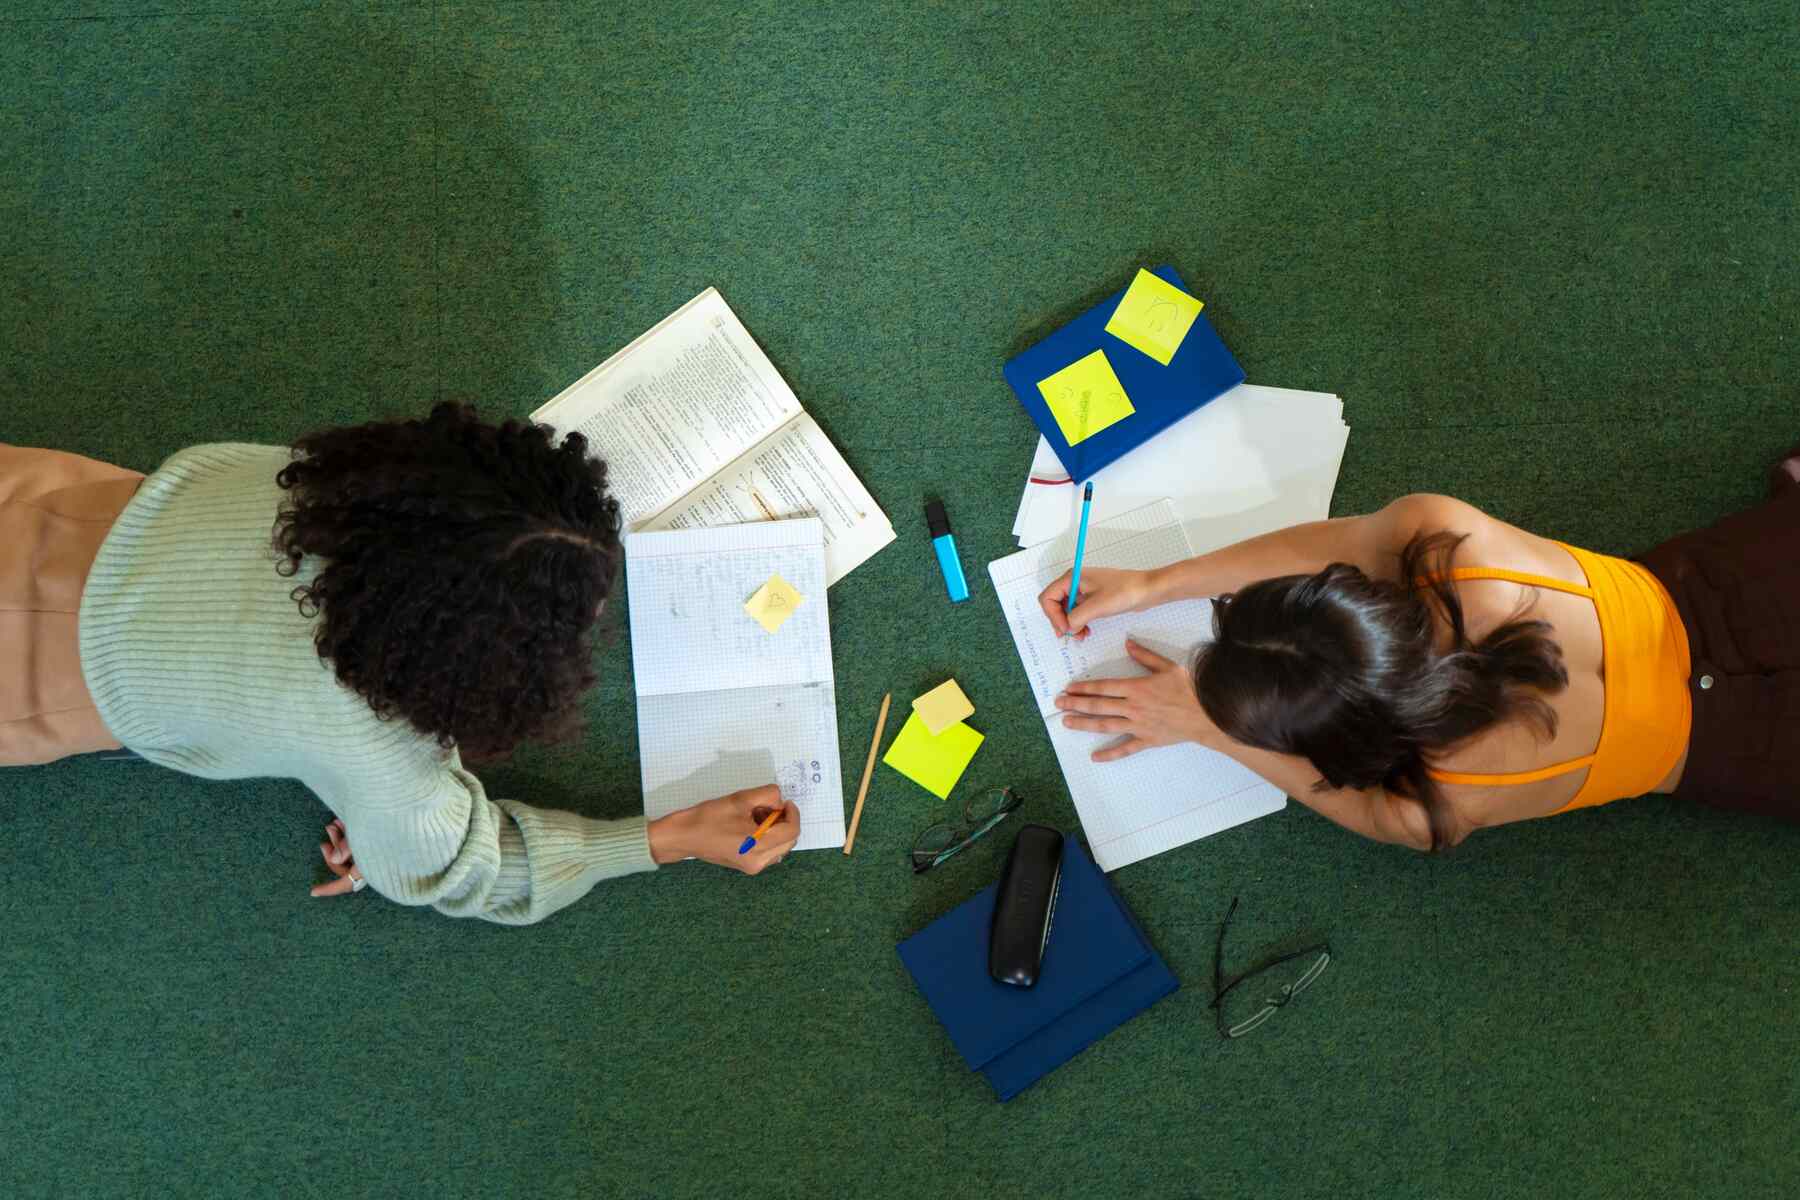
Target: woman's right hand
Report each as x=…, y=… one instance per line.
x=713, y=830
x=1105, y=592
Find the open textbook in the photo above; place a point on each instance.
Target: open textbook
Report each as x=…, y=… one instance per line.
x=723, y=703
x=1153, y=800
x=698, y=429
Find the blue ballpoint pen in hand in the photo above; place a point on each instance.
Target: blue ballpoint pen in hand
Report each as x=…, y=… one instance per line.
x=768, y=824
x=1087, y=502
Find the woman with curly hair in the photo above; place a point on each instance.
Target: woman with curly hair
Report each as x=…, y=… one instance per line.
x=1427, y=670
x=428, y=602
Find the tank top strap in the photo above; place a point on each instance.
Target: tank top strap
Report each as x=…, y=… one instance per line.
x=1478, y=779
x=1524, y=577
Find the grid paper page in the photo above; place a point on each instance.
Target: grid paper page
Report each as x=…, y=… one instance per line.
x=687, y=588
x=722, y=705
x=1157, y=799
x=707, y=744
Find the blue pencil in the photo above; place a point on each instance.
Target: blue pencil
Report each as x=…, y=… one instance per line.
x=1087, y=502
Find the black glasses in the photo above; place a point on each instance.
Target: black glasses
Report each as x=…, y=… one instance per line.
x=945, y=840
x=1251, y=997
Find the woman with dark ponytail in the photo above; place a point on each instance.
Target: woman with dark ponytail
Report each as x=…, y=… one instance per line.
x=1426, y=670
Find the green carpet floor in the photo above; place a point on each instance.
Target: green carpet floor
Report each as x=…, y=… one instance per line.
x=1549, y=259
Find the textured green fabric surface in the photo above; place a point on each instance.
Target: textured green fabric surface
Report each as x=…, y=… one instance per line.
x=1548, y=258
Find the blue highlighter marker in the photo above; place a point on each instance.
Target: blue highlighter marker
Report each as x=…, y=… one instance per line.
x=938, y=522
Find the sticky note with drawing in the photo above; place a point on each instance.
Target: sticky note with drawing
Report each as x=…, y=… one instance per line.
x=934, y=763
x=773, y=603
x=1154, y=316
x=1085, y=397
x=943, y=706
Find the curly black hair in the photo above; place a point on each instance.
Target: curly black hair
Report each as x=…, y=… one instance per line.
x=456, y=569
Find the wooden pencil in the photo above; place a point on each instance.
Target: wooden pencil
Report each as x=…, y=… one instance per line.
x=868, y=769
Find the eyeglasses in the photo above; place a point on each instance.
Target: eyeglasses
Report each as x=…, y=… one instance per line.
x=947, y=839
x=1251, y=997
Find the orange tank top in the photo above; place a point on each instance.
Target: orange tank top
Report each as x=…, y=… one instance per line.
x=1644, y=649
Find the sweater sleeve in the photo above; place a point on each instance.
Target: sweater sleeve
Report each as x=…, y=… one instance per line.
x=466, y=855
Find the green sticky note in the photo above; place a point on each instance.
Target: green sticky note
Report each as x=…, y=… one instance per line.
x=1085, y=397
x=934, y=763
x=1154, y=316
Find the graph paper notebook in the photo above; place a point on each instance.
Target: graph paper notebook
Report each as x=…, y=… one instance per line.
x=724, y=704
x=1153, y=800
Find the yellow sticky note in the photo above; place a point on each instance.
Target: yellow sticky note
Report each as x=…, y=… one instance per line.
x=1085, y=397
x=934, y=763
x=773, y=603
x=943, y=706
x=1154, y=316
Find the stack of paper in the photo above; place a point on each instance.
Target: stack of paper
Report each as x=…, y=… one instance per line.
x=1254, y=460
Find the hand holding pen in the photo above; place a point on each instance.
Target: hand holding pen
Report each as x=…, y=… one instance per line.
x=1105, y=592
x=715, y=831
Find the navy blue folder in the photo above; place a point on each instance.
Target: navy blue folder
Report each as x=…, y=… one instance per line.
x=1202, y=370
x=1099, y=971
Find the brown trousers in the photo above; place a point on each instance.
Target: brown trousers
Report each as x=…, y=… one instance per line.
x=55, y=510
x=1737, y=586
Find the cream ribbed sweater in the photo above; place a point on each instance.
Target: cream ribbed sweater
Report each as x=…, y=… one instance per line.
x=198, y=659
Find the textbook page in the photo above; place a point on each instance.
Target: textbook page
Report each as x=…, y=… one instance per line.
x=794, y=472
x=674, y=406
x=698, y=428
x=722, y=704
x=1153, y=800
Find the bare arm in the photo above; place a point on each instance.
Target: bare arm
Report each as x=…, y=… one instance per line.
x=1373, y=812
x=1371, y=542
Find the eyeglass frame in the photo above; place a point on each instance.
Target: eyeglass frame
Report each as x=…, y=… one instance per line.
x=1222, y=987
x=972, y=830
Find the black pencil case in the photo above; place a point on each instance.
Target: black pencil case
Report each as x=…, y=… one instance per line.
x=1025, y=906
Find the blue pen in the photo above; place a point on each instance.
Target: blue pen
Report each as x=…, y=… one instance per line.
x=1087, y=502
x=768, y=824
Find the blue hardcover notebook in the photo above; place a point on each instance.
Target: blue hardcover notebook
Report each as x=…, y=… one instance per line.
x=1201, y=370
x=1058, y=1042
x=1098, y=973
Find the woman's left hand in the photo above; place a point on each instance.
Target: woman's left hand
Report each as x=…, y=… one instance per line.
x=1158, y=709
x=342, y=862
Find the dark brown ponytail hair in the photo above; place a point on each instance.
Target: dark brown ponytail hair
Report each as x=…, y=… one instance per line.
x=1344, y=671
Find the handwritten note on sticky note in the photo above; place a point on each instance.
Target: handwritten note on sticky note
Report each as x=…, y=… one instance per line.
x=1085, y=397
x=942, y=707
x=934, y=763
x=1154, y=316
x=773, y=603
